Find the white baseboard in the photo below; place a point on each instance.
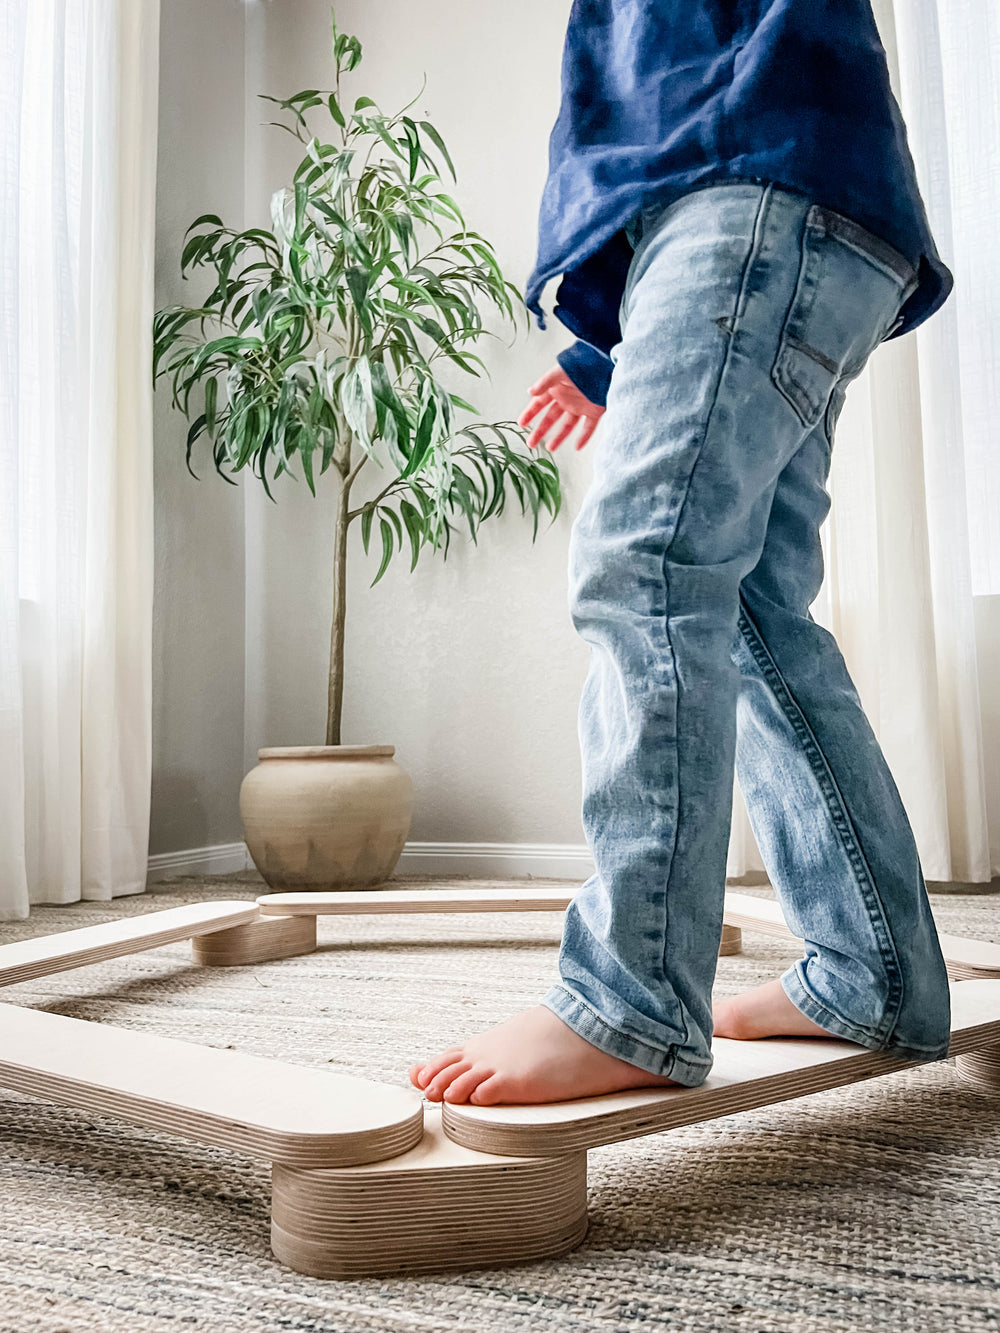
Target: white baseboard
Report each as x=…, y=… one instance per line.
x=220, y=860
x=481, y=860
x=498, y=860
x=484, y=860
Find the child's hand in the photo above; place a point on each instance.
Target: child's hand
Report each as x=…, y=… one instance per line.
x=563, y=406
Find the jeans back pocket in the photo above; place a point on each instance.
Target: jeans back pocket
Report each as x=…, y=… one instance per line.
x=848, y=293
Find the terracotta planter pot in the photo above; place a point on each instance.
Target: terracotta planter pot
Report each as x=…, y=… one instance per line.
x=324, y=817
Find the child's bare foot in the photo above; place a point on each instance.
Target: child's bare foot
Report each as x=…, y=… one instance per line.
x=532, y=1058
x=763, y=1012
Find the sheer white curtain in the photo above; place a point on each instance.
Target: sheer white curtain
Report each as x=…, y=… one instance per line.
x=912, y=543
x=78, y=154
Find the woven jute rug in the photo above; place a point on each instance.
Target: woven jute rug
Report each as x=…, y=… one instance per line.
x=872, y=1207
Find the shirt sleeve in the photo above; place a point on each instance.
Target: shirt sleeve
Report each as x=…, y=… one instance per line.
x=589, y=369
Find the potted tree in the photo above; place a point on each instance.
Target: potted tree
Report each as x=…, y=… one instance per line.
x=321, y=344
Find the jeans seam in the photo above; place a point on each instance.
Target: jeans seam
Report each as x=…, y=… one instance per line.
x=671, y=1054
x=819, y=1012
x=865, y=242
x=752, y=251
x=838, y=814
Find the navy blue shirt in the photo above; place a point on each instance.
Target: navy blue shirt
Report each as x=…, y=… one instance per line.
x=660, y=97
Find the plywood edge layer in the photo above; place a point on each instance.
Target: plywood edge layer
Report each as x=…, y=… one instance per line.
x=746, y=1075
x=26, y=960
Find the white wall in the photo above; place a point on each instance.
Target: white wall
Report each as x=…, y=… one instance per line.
x=469, y=666
x=198, y=603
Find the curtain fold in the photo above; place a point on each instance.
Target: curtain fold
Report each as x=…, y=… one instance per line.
x=76, y=532
x=912, y=543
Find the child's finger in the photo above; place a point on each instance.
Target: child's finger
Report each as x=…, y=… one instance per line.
x=589, y=427
x=542, y=386
x=548, y=420
x=568, y=423
x=532, y=410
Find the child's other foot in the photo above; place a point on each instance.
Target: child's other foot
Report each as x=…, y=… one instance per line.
x=532, y=1058
x=763, y=1012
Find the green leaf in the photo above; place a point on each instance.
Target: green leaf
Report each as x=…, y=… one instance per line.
x=357, y=399
x=377, y=124
x=211, y=391
x=451, y=207
x=306, y=448
x=423, y=439
x=206, y=217
x=336, y=112
x=413, y=145
x=392, y=418
x=357, y=281
x=414, y=521
x=460, y=402
x=301, y=199
x=197, y=426
x=367, y=514
x=352, y=50
x=394, y=518
x=387, y=550
x=438, y=143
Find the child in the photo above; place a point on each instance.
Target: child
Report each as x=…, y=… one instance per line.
x=733, y=207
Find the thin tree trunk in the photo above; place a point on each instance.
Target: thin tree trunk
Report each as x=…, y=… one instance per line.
x=335, y=697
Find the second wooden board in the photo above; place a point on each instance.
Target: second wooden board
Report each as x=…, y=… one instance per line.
x=747, y=1074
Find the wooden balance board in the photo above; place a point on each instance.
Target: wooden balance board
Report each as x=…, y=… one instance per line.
x=367, y=1178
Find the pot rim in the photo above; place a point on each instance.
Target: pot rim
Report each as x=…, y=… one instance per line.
x=326, y=752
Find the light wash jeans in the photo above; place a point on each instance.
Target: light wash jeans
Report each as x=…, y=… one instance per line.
x=694, y=560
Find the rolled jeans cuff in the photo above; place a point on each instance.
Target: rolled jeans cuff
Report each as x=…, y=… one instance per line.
x=668, y=1061
x=807, y=1003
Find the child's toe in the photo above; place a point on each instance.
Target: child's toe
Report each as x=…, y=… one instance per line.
x=434, y=1090
x=460, y=1089
x=434, y=1067
x=488, y=1092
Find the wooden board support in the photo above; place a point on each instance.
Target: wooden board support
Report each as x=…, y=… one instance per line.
x=731, y=942
x=747, y=1074
x=438, y=1206
x=981, y=1069
x=966, y=959
x=266, y=939
x=26, y=960
x=304, y=1117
